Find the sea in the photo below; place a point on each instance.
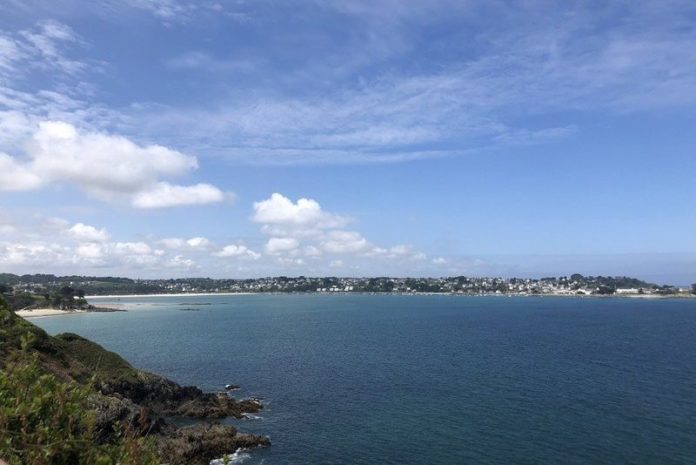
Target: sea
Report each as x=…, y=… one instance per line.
x=428, y=379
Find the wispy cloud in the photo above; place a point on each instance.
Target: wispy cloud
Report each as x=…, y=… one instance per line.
x=532, y=61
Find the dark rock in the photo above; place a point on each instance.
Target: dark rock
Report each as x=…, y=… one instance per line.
x=199, y=444
x=168, y=398
x=113, y=411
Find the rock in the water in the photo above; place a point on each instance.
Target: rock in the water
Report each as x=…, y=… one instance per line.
x=199, y=444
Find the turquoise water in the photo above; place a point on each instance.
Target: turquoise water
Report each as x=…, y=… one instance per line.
x=430, y=379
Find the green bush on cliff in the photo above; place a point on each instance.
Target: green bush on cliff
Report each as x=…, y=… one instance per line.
x=45, y=420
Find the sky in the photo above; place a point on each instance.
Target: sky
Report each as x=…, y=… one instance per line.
x=173, y=138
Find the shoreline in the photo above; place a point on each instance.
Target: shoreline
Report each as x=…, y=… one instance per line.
x=43, y=312
x=453, y=294
x=122, y=307
x=39, y=312
x=180, y=294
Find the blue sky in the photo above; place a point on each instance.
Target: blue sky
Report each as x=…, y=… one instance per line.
x=157, y=138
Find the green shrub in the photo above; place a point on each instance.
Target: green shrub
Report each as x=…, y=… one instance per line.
x=45, y=421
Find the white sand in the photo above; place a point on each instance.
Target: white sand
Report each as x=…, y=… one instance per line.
x=45, y=312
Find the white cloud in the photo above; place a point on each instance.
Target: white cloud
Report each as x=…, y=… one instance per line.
x=34, y=253
x=312, y=251
x=234, y=250
x=199, y=243
x=86, y=233
x=132, y=248
x=15, y=177
x=290, y=223
x=43, y=47
x=179, y=261
x=101, y=163
x=400, y=250
x=341, y=242
x=280, y=210
x=7, y=229
x=166, y=10
x=168, y=195
x=173, y=243
x=287, y=261
x=46, y=41
x=277, y=245
x=194, y=243
x=439, y=260
x=532, y=59
x=107, y=166
x=90, y=251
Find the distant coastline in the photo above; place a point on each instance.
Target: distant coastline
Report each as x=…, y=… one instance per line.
x=115, y=287
x=454, y=294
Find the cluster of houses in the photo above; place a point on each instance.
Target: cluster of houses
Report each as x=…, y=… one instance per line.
x=453, y=285
x=573, y=285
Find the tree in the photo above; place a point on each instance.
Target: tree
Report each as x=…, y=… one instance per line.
x=604, y=290
x=68, y=296
x=81, y=302
x=4, y=288
x=693, y=288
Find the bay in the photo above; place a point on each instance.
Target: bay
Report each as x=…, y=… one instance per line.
x=389, y=379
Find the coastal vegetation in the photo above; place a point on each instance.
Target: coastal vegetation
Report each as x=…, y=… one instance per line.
x=66, y=400
x=56, y=297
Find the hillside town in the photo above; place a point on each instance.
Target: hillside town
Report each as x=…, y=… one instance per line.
x=575, y=284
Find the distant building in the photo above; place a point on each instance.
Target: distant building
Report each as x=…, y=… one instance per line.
x=627, y=291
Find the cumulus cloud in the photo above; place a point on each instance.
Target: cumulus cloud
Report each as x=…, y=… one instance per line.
x=199, y=243
x=90, y=250
x=84, y=232
x=194, y=243
x=101, y=163
x=33, y=253
x=280, y=210
x=168, y=195
x=281, y=244
x=234, y=250
x=126, y=248
x=173, y=243
x=106, y=166
x=341, y=242
x=179, y=261
x=15, y=177
x=303, y=228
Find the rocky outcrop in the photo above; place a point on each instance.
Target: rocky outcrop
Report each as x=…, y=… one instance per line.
x=170, y=399
x=199, y=444
x=144, y=402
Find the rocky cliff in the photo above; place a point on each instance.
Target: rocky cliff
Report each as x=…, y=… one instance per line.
x=125, y=395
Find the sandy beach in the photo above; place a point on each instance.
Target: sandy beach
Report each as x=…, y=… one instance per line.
x=37, y=312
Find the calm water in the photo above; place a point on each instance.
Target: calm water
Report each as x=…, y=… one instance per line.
x=431, y=379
